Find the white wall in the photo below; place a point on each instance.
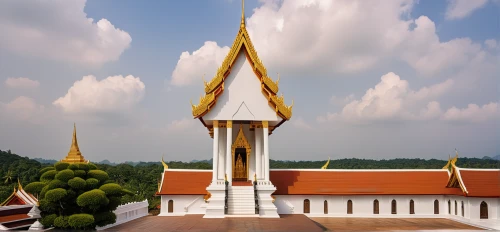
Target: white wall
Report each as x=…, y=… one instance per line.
x=242, y=98
x=128, y=212
x=196, y=205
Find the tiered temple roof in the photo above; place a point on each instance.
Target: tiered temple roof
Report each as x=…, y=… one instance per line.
x=20, y=197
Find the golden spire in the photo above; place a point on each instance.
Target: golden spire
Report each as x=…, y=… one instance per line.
x=74, y=154
x=20, y=187
x=165, y=166
x=242, y=13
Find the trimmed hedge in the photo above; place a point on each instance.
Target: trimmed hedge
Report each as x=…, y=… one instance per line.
x=65, y=175
x=104, y=218
x=61, y=222
x=34, y=187
x=61, y=166
x=81, y=221
x=48, y=207
x=48, y=221
x=77, y=183
x=92, y=183
x=92, y=166
x=112, y=189
x=99, y=175
x=92, y=199
x=55, y=194
x=53, y=184
x=82, y=166
x=73, y=167
x=45, y=170
x=80, y=173
x=48, y=175
x=44, y=190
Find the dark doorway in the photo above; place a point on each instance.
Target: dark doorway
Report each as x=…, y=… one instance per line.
x=375, y=207
x=349, y=207
x=412, y=207
x=394, y=207
x=307, y=206
x=325, y=206
x=483, y=210
x=170, y=206
x=436, y=207
x=240, y=165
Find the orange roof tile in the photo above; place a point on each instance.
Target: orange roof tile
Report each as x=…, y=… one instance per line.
x=353, y=182
x=481, y=183
x=185, y=182
x=14, y=217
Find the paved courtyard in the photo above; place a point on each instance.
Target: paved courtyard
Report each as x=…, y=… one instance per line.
x=294, y=222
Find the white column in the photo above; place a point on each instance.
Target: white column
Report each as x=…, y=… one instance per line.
x=216, y=152
x=258, y=153
x=222, y=154
x=229, y=136
x=265, y=133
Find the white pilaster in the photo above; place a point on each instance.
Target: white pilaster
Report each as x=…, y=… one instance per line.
x=258, y=152
x=265, y=133
x=215, y=159
x=229, y=137
x=222, y=154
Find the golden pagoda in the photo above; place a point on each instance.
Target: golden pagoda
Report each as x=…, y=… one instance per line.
x=74, y=154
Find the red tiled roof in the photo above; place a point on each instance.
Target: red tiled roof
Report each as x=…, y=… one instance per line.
x=185, y=182
x=376, y=182
x=481, y=183
x=14, y=217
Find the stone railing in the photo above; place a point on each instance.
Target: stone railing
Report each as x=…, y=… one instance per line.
x=186, y=207
x=128, y=212
x=290, y=206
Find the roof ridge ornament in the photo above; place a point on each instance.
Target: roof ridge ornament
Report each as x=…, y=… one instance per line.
x=242, y=24
x=165, y=166
x=326, y=164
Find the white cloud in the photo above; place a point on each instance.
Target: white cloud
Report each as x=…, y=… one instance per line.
x=192, y=67
x=183, y=124
x=392, y=98
x=21, y=83
x=458, y=9
x=491, y=43
x=115, y=93
x=59, y=30
x=473, y=113
x=301, y=124
x=341, y=101
x=23, y=109
x=328, y=37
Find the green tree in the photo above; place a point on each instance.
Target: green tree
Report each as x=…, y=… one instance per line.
x=8, y=177
x=76, y=196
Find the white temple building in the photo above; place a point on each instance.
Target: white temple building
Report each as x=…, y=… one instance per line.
x=241, y=108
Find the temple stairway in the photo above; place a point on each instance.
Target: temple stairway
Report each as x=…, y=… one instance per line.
x=241, y=200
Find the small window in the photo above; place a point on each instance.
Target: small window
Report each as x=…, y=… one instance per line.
x=307, y=206
x=349, y=207
x=483, y=210
x=462, y=208
x=412, y=207
x=325, y=207
x=456, y=208
x=436, y=206
x=171, y=206
x=375, y=207
x=449, y=207
x=393, y=207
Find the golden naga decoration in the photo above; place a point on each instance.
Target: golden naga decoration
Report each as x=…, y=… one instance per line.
x=274, y=198
x=451, y=161
x=204, y=105
x=207, y=196
x=165, y=166
x=326, y=165
x=279, y=102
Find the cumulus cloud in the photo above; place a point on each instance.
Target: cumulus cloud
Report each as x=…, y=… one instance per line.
x=338, y=37
x=21, y=83
x=473, y=113
x=181, y=125
x=23, y=109
x=59, y=30
x=491, y=43
x=458, y=9
x=205, y=60
x=115, y=93
x=341, y=100
x=392, y=98
x=299, y=123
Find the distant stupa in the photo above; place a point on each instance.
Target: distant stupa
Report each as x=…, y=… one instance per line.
x=74, y=154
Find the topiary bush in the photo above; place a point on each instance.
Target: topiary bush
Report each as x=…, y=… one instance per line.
x=76, y=196
x=65, y=175
x=34, y=188
x=99, y=175
x=81, y=221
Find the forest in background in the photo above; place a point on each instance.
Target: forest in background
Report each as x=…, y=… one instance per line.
x=142, y=177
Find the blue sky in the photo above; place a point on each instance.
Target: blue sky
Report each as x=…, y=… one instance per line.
x=370, y=79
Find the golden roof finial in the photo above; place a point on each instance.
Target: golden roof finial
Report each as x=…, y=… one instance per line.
x=278, y=81
x=242, y=24
x=165, y=166
x=74, y=143
x=20, y=187
x=326, y=164
x=448, y=164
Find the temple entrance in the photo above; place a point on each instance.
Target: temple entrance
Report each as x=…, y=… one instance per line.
x=241, y=157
